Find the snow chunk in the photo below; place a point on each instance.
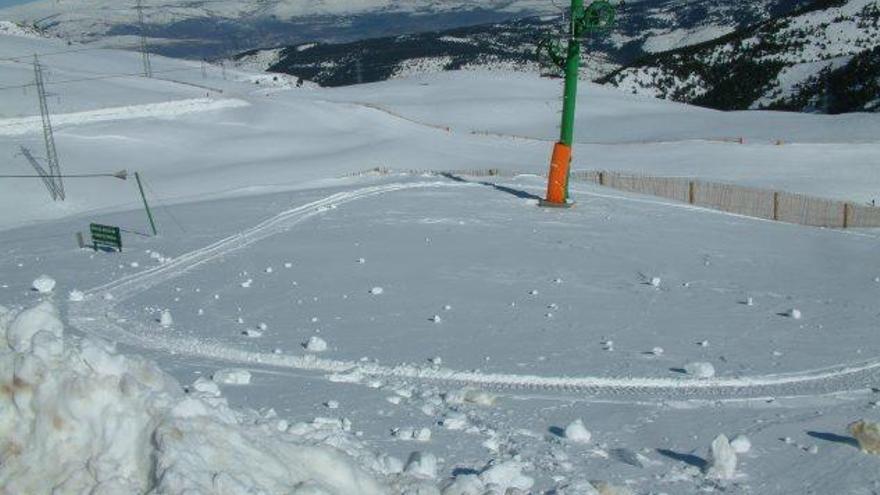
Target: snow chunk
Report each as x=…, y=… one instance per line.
x=721, y=463
x=76, y=296
x=436, y=319
x=867, y=433
x=44, y=284
x=165, y=319
x=577, y=432
x=316, y=344
x=465, y=484
x=250, y=332
x=794, y=313
x=700, y=369
x=247, y=283
x=655, y=281
x=377, y=291
x=232, y=377
x=421, y=465
x=43, y=317
x=468, y=395
x=507, y=475
x=741, y=444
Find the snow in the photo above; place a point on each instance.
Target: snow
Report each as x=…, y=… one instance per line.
x=505, y=476
x=165, y=319
x=136, y=429
x=76, y=296
x=577, y=432
x=43, y=317
x=721, y=463
x=377, y=291
x=700, y=369
x=741, y=444
x=44, y=284
x=232, y=377
x=316, y=344
x=422, y=465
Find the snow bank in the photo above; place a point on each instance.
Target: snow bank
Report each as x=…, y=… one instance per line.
x=76, y=417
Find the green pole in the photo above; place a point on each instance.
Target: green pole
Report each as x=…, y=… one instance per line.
x=572, y=68
x=146, y=206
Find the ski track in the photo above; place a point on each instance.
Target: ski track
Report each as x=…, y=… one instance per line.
x=24, y=125
x=96, y=316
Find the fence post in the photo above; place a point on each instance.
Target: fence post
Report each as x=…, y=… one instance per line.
x=847, y=212
x=692, y=196
x=601, y=178
x=776, y=205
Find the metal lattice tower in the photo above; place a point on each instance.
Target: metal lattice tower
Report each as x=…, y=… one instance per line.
x=48, y=135
x=148, y=68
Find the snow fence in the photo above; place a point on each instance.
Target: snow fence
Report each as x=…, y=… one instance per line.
x=748, y=201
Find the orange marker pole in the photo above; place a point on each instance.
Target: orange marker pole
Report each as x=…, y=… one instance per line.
x=557, y=183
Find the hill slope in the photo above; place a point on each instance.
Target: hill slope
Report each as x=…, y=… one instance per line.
x=821, y=58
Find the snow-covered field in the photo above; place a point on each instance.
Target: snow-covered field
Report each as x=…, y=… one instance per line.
x=291, y=330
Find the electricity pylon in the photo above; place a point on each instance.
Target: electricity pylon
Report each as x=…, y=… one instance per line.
x=145, y=55
x=598, y=16
x=48, y=136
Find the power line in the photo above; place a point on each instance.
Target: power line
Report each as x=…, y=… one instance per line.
x=101, y=77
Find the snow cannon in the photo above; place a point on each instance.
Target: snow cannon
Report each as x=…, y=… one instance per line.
x=598, y=17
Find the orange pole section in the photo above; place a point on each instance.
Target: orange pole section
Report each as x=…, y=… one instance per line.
x=557, y=185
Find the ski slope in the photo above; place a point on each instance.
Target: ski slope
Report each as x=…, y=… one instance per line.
x=439, y=332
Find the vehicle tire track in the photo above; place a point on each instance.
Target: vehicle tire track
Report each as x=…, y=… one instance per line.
x=97, y=316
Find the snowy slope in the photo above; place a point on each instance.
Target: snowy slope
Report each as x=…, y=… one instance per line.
x=190, y=140
x=786, y=63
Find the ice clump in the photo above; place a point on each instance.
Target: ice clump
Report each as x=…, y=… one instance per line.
x=421, y=465
x=95, y=421
x=44, y=284
x=700, y=369
x=655, y=281
x=506, y=476
x=316, y=344
x=43, y=317
x=76, y=296
x=794, y=313
x=577, y=432
x=721, y=463
x=165, y=319
x=741, y=444
x=377, y=291
x=232, y=377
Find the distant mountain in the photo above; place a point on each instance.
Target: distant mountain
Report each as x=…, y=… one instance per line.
x=824, y=57
x=214, y=28
x=643, y=28
x=217, y=28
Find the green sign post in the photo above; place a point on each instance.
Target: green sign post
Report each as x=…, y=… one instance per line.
x=596, y=17
x=106, y=236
